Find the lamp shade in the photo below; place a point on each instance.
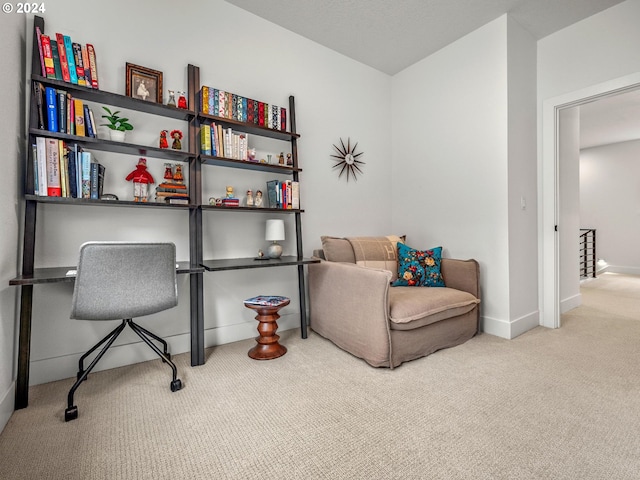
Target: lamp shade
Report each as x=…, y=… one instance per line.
x=275, y=230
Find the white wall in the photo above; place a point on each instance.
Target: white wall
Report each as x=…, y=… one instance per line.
x=464, y=157
x=522, y=185
x=335, y=97
x=12, y=39
x=569, y=208
x=610, y=202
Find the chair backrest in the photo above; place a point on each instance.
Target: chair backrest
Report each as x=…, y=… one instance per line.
x=118, y=280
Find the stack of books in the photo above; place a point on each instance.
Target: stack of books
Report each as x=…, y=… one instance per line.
x=68, y=61
x=231, y=202
x=236, y=107
x=172, y=190
x=59, y=112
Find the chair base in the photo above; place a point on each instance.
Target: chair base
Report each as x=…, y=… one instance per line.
x=71, y=412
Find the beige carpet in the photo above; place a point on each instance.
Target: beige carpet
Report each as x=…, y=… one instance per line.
x=550, y=404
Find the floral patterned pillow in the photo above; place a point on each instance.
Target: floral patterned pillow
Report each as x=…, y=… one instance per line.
x=419, y=268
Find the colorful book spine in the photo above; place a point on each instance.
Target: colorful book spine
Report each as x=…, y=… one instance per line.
x=210, y=101
x=221, y=103
x=204, y=99
x=71, y=109
x=86, y=174
x=216, y=104
x=62, y=111
x=41, y=149
x=62, y=52
x=72, y=169
x=38, y=92
x=39, y=40
x=53, y=168
x=93, y=124
x=73, y=73
x=87, y=67
x=77, y=57
x=49, y=67
x=295, y=195
x=283, y=119
x=64, y=173
x=52, y=109
x=87, y=122
x=205, y=139
x=56, y=60
x=261, y=114
x=79, y=117
x=91, y=53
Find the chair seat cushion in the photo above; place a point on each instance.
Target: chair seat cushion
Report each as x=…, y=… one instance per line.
x=414, y=307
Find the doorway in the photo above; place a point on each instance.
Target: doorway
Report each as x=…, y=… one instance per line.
x=550, y=218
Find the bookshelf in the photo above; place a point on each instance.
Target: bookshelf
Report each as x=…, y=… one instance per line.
x=197, y=266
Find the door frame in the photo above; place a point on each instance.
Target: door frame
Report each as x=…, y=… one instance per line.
x=548, y=175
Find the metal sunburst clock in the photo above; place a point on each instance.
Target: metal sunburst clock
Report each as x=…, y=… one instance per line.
x=347, y=159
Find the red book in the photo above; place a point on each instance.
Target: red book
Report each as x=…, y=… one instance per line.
x=39, y=38
x=261, y=114
x=64, y=65
x=87, y=67
x=50, y=70
x=283, y=119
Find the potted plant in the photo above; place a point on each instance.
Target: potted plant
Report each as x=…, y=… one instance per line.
x=118, y=125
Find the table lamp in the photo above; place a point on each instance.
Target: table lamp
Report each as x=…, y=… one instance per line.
x=274, y=233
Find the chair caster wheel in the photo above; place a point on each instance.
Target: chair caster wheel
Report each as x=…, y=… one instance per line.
x=176, y=385
x=71, y=413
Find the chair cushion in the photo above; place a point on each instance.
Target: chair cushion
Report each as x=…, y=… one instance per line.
x=419, y=268
x=411, y=307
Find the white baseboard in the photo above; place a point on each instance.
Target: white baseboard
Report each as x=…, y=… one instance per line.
x=58, y=368
x=7, y=404
x=622, y=269
x=510, y=329
x=570, y=303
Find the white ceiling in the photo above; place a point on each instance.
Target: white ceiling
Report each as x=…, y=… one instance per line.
x=390, y=35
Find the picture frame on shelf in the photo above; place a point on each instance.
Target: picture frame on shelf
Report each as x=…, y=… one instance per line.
x=143, y=83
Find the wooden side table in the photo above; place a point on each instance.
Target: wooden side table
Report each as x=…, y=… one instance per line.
x=267, y=308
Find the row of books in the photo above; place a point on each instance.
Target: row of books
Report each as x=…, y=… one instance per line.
x=59, y=112
x=63, y=59
x=283, y=194
x=235, y=107
x=172, y=192
x=65, y=170
x=223, y=142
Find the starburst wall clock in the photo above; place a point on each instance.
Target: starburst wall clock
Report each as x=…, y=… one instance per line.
x=347, y=159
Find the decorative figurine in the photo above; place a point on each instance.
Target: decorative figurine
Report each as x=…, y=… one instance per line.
x=172, y=99
x=182, y=100
x=163, y=139
x=289, y=159
x=177, y=175
x=281, y=159
x=249, y=198
x=168, y=171
x=251, y=155
x=269, y=158
x=258, y=200
x=177, y=136
x=141, y=179
x=229, y=193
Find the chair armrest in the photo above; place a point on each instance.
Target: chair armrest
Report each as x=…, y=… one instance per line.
x=349, y=305
x=462, y=275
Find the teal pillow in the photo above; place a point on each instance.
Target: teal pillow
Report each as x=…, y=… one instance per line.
x=419, y=268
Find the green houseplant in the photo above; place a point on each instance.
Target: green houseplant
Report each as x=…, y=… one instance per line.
x=118, y=125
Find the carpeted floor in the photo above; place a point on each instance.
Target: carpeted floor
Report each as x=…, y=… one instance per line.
x=550, y=404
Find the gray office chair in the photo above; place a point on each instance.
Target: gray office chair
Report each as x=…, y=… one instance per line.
x=120, y=281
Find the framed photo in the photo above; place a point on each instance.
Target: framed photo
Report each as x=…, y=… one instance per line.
x=144, y=83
